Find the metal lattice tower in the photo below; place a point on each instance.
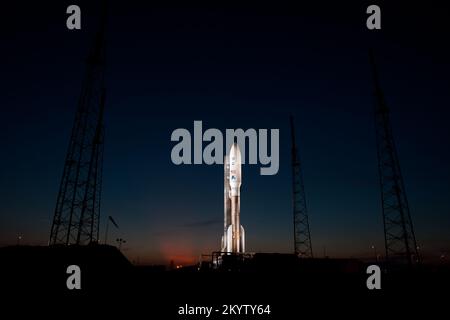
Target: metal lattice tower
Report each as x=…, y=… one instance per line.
x=302, y=234
x=77, y=213
x=400, y=240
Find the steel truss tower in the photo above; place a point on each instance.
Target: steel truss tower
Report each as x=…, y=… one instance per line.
x=302, y=235
x=77, y=213
x=400, y=240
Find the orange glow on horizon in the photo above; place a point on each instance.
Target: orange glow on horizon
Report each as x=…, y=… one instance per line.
x=180, y=251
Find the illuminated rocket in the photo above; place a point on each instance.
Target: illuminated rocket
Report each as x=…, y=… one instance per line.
x=233, y=239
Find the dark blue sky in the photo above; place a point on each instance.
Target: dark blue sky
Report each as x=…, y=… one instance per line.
x=231, y=67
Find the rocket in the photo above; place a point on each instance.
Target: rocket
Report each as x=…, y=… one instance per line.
x=233, y=240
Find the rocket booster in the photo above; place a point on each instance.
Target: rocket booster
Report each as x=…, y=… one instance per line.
x=233, y=239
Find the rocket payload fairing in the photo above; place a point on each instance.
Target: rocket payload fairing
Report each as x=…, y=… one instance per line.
x=233, y=239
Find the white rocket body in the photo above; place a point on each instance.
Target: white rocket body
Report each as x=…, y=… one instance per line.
x=233, y=240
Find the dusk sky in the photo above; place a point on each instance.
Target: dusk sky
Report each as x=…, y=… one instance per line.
x=230, y=67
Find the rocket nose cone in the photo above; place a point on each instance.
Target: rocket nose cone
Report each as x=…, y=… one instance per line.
x=235, y=169
x=235, y=165
x=235, y=153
